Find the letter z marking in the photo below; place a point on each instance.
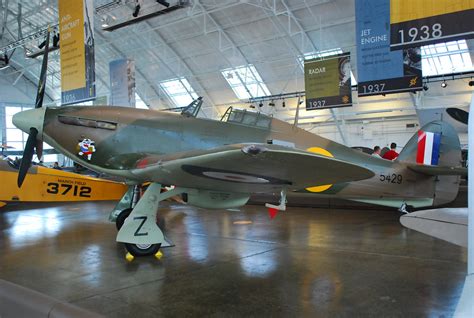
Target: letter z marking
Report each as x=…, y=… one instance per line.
x=137, y=232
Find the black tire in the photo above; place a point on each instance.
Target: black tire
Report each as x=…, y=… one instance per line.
x=121, y=217
x=142, y=250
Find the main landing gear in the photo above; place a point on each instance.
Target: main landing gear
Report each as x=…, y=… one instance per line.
x=138, y=225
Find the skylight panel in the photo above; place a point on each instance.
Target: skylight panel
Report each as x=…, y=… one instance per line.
x=179, y=91
x=321, y=54
x=446, y=58
x=246, y=82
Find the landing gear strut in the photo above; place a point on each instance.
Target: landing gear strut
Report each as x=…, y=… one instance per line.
x=405, y=208
x=138, y=226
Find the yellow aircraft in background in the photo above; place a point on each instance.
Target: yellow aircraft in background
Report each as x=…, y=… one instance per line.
x=52, y=185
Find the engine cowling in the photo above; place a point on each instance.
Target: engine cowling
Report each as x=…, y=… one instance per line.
x=216, y=199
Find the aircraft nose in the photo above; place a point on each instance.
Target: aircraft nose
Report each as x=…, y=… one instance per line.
x=30, y=118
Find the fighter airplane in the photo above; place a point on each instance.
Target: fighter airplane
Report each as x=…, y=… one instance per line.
x=220, y=163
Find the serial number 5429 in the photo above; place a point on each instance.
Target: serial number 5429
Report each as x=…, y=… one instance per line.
x=64, y=188
x=391, y=178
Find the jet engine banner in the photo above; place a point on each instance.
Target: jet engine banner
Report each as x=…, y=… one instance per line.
x=77, y=51
x=421, y=22
x=379, y=70
x=328, y=82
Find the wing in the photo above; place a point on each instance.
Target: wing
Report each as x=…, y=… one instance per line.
x=248, y=168
x=449, y=224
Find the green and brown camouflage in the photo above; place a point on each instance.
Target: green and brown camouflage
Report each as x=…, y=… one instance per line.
x=246, y=153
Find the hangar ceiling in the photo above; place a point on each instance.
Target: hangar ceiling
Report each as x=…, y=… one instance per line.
x=202, y=41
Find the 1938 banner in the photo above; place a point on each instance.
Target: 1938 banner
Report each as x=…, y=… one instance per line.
x=422, y=22
x=328, y=82
x=379, y=70
x=77, y=51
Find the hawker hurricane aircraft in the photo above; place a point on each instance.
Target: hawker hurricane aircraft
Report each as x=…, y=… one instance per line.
x=220, y=163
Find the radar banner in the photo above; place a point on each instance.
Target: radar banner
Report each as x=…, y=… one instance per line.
x=328, y=82
x=422, y=22
x=77, y=51
x=122, y=82
x=379, y=70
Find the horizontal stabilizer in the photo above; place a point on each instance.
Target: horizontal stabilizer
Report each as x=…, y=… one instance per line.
x=438, y=170
x=448, y=224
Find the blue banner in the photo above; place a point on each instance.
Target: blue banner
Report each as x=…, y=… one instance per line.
x=379, y=70
x=122, y=82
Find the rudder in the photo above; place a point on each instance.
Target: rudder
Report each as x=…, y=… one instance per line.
x=436, y=144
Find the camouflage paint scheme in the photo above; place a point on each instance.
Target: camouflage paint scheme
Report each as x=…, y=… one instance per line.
x=173, y=149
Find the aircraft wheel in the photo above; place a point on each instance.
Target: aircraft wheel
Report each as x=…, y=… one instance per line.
x=125, y=213
x=121, y=217
x=142, y=249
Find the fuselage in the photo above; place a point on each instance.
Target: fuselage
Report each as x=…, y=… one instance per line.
x=121, y=136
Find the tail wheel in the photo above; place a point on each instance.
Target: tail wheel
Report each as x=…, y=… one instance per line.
x=121, y=217
x=142, y=249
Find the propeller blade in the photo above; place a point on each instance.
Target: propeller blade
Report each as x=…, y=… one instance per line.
x=44, y=69
x=27, y=156
x=39, y=150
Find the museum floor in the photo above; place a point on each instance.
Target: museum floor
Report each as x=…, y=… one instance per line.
x=305, y=263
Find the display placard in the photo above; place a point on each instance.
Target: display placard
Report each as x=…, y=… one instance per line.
x=76, y=51
x=328, y=82
x=422, y=22
x=380, y=70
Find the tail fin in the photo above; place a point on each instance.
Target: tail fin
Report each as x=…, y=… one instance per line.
x=436, y=151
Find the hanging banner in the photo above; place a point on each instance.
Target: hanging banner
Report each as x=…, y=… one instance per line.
x=379, y=70
x=328, y=82
x=77, y=51
x=122, y=82
x=422, y=22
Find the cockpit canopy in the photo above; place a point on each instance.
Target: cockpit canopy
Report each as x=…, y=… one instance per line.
x=247, y=118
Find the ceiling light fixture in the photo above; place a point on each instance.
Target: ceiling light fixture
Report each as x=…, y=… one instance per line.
x=444, y=84
x=271, y=103
x=425, y=87
x=260, y=104
x=283, y=104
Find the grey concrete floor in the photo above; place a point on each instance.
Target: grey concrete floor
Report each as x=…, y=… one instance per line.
x=305, y=263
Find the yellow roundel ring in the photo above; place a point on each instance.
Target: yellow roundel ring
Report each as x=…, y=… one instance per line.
x=323, y=152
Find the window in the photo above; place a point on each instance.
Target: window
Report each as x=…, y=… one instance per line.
x=15, y=137
x=50, y=158
x=322, y=54
x=446, y=58
x=180, y=91
x=245, y=82
x=139, y=103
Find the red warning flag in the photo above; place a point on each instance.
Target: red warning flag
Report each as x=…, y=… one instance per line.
x=272, y=212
